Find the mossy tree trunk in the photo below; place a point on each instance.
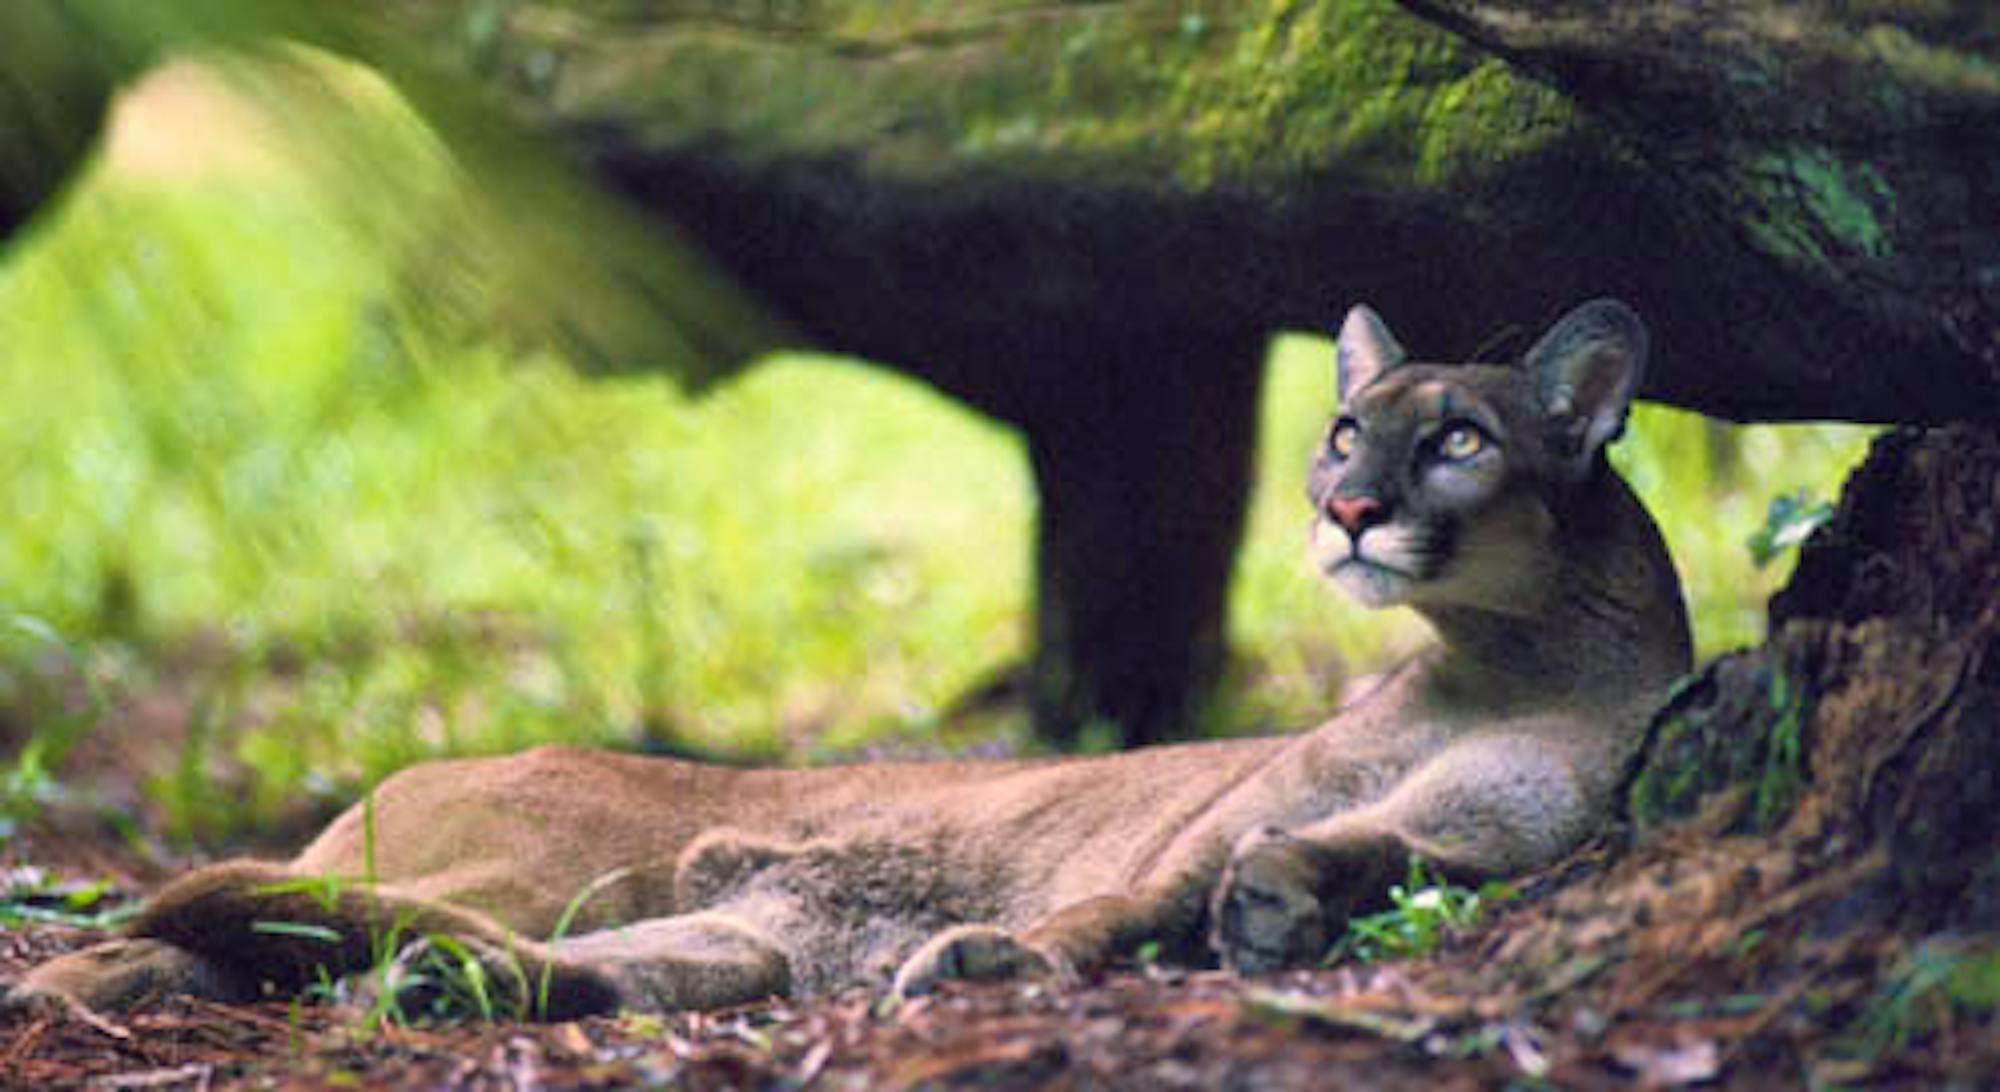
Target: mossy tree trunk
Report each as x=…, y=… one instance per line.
x=1142, y=505
x=1851, y=145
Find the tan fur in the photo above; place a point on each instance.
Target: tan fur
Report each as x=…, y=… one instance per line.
x=1560, y=628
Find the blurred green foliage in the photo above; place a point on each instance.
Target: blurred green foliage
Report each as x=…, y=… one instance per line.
x=207, y=425
x=522, y=249
x=349, y=541
x=235, y=473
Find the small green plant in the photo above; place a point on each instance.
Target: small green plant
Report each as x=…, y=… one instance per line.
x=1423, y=911
x=428, y=977
x=25, y=785
x=1935, y=985
x=297, y=929
x=28, y=895
x=448, y=979
x=437, y=970
x=1791, y=518
x=563, y=923
x=1783, y=775
x=44, y=681
x=454, y=983
x=194, y=810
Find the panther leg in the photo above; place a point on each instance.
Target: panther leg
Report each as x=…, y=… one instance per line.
x=1286, y=895
x=1081, y=936
x=690, y=961
x=128, y=973
x=1282, y=897
x=720, y=862
x=970, y=953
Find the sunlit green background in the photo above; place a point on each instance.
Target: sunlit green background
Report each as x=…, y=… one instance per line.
x=337, y=541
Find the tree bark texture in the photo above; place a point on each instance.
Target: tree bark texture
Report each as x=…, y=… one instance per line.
x=1851, y=145
x=1870, y=722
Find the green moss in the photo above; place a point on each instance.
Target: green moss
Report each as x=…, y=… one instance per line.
x=1665, y=789
x=1741, y=722
x=1930, y=68
x=1209, y=93
x=1783, y=772
x=1942, y=983
x=1358, y=86
x=1813, y=200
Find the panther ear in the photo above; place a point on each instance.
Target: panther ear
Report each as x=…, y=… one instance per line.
x=1584, y=372
x=1367, y=349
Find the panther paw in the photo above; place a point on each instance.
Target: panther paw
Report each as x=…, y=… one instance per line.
x=970, y=953
x=1267, y=912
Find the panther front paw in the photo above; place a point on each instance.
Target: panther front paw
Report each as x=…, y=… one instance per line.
x=970, y=953
x=1267, y=913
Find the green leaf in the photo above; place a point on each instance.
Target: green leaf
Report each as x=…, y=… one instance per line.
x=300, y=929
x=1790, y=520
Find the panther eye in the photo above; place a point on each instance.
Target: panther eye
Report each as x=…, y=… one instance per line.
x=1341, y=440
x=1461, y=442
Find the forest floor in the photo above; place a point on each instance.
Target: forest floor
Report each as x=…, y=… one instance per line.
x=1422, y=1025
x=1689, y=959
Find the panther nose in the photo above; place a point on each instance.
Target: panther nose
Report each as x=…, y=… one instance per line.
x=1356, y=513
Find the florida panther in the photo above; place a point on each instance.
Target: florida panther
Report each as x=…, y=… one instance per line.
x=1478, y=495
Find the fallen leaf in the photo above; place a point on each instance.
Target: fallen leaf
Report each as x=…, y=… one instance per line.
x=1335, y=1013
x=1670, y=1066
x=571, y=1037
